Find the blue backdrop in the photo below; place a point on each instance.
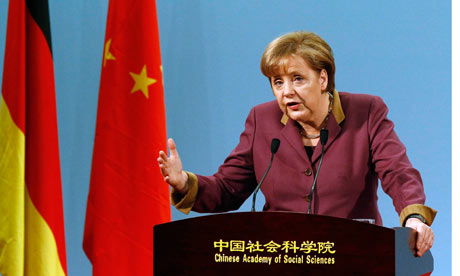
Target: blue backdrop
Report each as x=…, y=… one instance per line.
x=399, y=50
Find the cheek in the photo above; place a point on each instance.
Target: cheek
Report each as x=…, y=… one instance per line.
x=279, y=98
x=310, y=96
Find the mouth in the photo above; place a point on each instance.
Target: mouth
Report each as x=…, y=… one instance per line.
x=293, y=105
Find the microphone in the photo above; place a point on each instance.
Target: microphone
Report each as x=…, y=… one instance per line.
x=274, y=148
x=323, y=136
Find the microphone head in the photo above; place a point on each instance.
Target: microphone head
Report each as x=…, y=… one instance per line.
x=323, y=135
x=275, y=145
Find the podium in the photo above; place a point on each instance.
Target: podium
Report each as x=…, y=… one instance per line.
x=283, y=243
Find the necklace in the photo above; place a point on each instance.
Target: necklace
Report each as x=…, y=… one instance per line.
x=314, y=136
x=306, y=135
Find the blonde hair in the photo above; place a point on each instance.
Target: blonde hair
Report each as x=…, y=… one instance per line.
x=309, y=46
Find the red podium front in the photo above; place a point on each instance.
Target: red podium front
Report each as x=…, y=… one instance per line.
x=281, y=243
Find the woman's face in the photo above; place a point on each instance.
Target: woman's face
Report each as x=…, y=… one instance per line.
x=299, y=91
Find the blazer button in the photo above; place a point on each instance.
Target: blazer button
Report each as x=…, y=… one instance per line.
x=308, y=172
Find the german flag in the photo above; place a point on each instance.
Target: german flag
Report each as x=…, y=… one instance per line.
x=32, y=240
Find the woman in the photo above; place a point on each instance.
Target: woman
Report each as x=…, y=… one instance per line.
x=362, y=147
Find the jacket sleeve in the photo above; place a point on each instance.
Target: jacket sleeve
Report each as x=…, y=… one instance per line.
x=399, y=179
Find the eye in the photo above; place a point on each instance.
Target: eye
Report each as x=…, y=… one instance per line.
x=277, y=82
x=298, y=78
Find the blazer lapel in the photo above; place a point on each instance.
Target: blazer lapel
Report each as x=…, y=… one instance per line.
x=291, y=134
x=333, y=125
x=334, y=129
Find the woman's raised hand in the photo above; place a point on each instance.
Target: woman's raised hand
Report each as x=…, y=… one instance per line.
x=171, y=168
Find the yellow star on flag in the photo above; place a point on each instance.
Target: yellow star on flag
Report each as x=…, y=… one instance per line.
x=107, y=54
x=142, y=82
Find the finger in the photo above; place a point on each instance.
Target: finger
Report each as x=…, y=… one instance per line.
x=425, y=241
x=162, y=160
x=163, y=171
x=421, y=251
x=422, y=235
x=163, y=155
x=424, y=249
x=431, y=239
x=172, y=147
x=420, y=241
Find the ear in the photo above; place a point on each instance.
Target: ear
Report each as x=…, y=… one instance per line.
x=323, y=79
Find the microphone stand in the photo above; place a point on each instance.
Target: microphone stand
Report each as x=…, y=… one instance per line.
x=323, y=139
x=274, y=148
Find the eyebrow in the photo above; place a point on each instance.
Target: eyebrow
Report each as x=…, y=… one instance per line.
x=294, y=72
x=285, y=72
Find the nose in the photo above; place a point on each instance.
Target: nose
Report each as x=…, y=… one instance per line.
x=288, y=89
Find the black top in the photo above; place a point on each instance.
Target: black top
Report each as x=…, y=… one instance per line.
x=309, y=150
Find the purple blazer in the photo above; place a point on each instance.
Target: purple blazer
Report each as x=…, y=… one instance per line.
x=362, y=148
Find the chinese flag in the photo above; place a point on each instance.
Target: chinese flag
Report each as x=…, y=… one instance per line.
x=127, y=194
x=31, y=218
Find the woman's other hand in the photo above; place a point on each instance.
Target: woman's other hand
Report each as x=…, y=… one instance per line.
x=425, y=236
